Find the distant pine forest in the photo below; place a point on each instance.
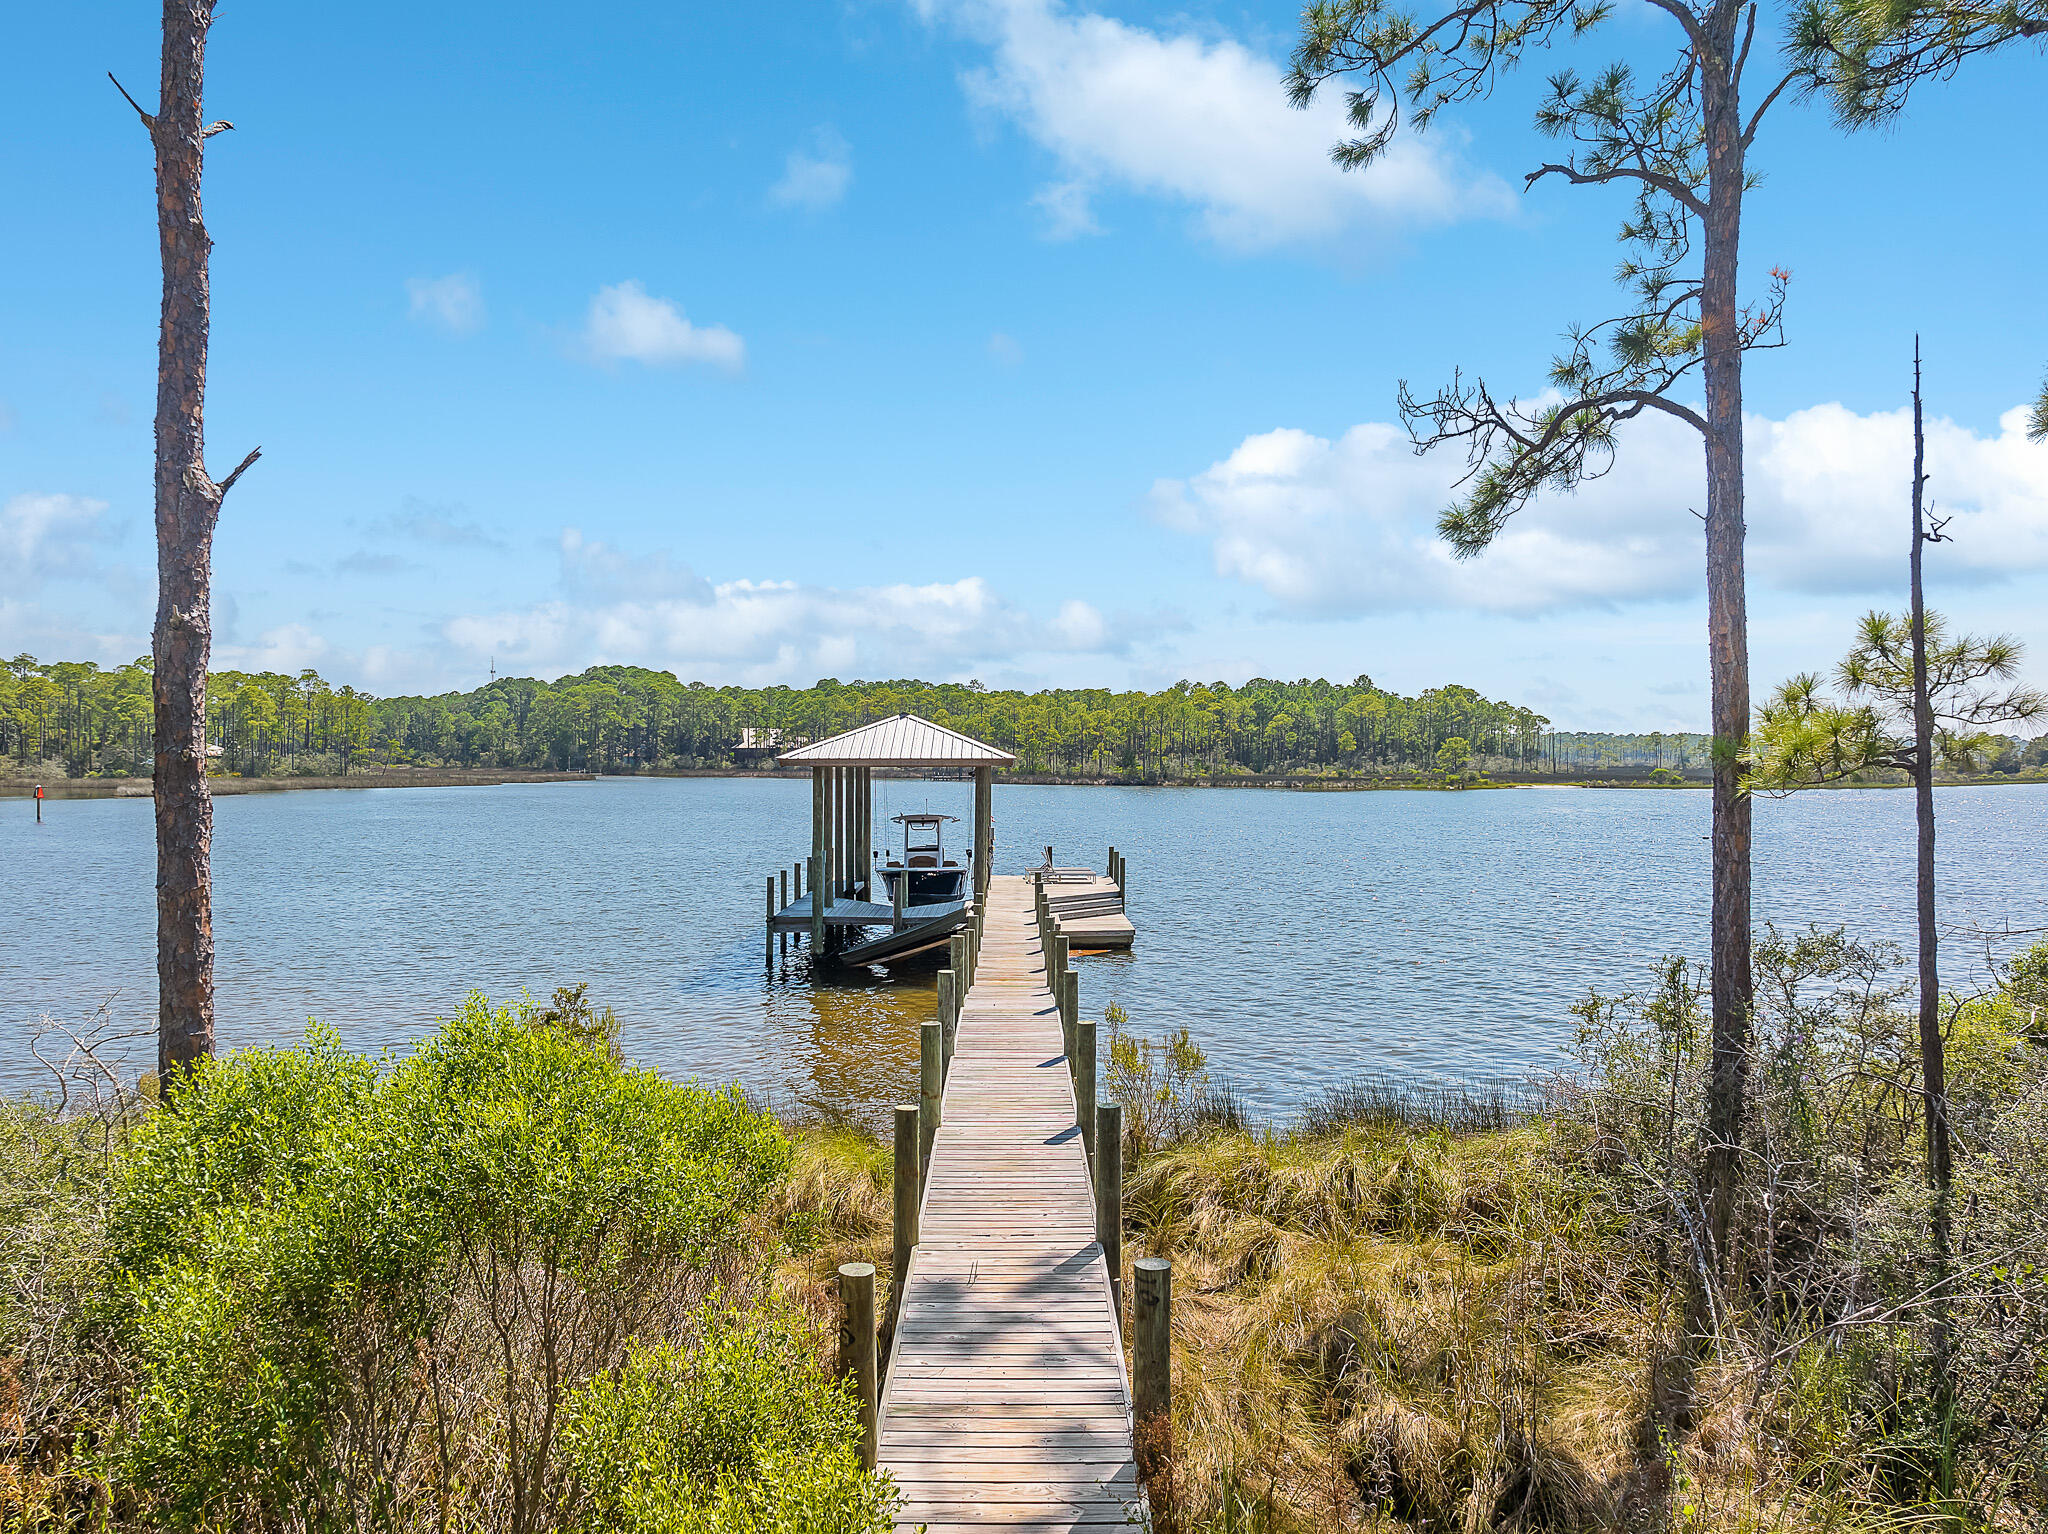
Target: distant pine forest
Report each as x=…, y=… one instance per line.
x=80, y=720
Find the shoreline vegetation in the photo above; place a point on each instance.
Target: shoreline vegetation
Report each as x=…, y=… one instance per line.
x=67, y=724
x=505, y=1281
x=374, y=776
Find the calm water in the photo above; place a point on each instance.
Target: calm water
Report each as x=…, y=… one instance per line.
x=1304, y=936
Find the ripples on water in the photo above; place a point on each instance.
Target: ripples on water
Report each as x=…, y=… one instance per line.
x=1305, y=937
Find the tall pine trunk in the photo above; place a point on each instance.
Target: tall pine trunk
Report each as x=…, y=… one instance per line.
x=187, y=507
x=1933, y=1061
x=1727, y=628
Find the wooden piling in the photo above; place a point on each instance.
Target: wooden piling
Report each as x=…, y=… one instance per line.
x=770, y=927
x=1109, y=1196
x=931, y=1084
x=1152, y=1361
x=1069, y=998
x=909, y=1181
x=984, y=827
x=1084, y=1083
x=896, y=902
x=1060, y=962
x=949, y=1014
x=864, y=831
x=857, y=1347
x=820, y=801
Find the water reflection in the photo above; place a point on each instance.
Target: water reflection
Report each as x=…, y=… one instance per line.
x=855, y=1038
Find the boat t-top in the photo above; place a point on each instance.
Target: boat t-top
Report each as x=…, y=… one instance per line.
x=933, y=877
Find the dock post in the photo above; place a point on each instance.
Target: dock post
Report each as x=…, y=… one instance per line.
x=931, y=1084
x=1152, y=1361
x=896, y=901
x=949, y=1015
x=771, y=921
x=857, y=1347
x=909, y=1171
x=984, y=827
x=1109, y=1197
x=1059, y=964
x=1084, y=1083
x=821, y=800
x=864, y=831
x=1069, y=997
x=785, y=906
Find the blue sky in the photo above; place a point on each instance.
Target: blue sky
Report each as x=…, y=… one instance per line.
x=995, y=338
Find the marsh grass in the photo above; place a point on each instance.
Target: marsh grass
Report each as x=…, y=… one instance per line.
x=1465, y=1308
x=835, y=1207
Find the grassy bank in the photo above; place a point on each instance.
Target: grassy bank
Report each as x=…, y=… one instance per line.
x=1465, y=1311
x=506, y=1283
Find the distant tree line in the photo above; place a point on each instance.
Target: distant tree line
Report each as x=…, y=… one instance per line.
x=96, y=721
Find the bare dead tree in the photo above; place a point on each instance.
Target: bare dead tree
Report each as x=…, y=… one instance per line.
x=188, y=502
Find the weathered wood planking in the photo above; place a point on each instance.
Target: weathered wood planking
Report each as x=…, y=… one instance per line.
x=1006, y=1403
x=1090, y=910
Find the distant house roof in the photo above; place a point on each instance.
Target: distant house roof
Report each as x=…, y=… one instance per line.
x=901, y=741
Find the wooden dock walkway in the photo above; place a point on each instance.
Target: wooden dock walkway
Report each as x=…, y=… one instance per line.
x=1006, y=1402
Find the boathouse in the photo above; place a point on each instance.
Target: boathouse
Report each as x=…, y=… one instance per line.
x=841, y=866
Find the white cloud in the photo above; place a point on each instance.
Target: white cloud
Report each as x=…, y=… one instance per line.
x=598, y=572
x=419, y=522
x=621, y=609
x=1348, y=526
x=627, y=324
x=455, y=303
x=289, y=648
x=1202, y=121
x=45, y=537
x=1069, y=213
x=816, y=173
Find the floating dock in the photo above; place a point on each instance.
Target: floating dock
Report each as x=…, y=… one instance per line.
x=1088, y=907
x=1006, y=1400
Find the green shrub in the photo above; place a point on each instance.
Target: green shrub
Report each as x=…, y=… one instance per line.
x=740, y=1434
x=350, y=1295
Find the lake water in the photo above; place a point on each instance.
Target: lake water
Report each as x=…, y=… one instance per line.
x=1304, y=937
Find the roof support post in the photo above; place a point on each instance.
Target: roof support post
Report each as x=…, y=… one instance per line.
x=818, y=875
x=846, y=830
x=835, y=785
x=844, y=810
x=864, y=835
x=984, y=825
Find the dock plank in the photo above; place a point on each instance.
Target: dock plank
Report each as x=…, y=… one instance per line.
x=1006, y=1402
